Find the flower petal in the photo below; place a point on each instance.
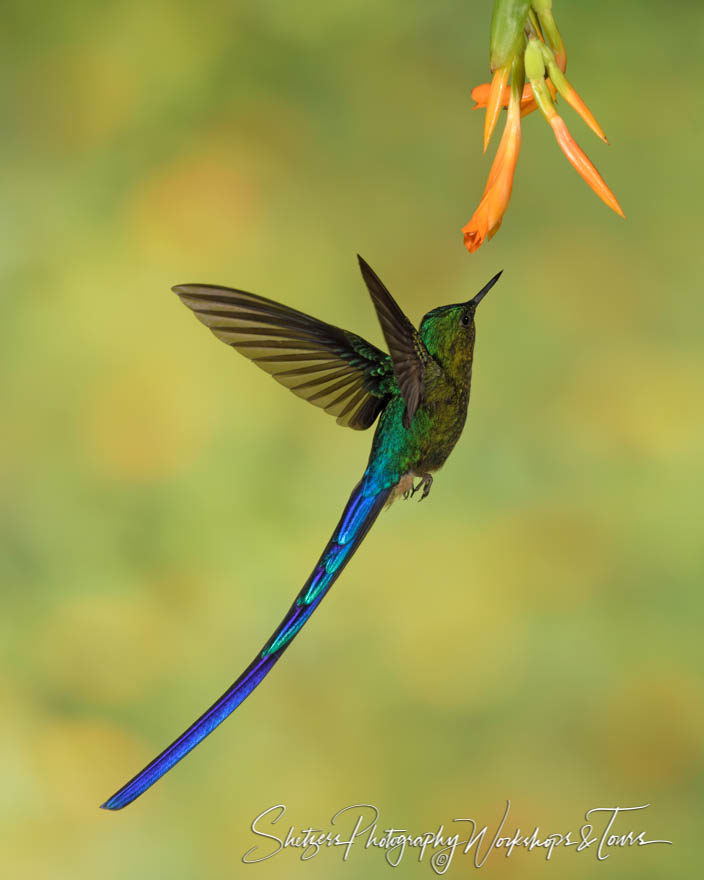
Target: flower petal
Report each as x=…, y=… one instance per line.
x=489, y=214
x=569, y=93
x=582, y=165
x=577, y=104
x=476, y=230
x=493, y=103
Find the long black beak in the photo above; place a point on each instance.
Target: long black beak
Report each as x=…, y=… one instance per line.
x=474, y=302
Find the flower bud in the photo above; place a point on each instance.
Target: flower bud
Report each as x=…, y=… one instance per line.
x=534, y=62
x=543, y=9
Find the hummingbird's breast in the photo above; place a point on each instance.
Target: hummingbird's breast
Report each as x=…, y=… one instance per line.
x=435, y=433
x=398, y=452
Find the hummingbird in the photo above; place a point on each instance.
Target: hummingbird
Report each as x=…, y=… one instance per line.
x=420, y=393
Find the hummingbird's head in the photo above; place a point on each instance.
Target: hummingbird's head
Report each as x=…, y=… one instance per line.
x=448, y=331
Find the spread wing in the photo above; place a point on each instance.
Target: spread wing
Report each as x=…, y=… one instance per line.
x=409, y=356
x=333, y=369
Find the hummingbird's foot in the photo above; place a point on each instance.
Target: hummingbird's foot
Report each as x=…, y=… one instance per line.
x=425, y=483
x=404, y=487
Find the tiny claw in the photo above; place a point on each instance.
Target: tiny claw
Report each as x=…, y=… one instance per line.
x=425, y=483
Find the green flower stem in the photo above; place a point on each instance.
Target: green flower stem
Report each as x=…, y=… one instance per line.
x=507, y=23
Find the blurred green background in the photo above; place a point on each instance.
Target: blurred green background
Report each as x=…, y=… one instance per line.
x=533, y=630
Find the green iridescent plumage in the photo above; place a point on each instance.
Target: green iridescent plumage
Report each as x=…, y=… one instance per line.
x=419, y=391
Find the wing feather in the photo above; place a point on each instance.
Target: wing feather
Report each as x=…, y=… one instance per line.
x=329, y=367
x=411, y=359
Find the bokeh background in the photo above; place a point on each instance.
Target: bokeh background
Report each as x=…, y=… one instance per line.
x=533, y=630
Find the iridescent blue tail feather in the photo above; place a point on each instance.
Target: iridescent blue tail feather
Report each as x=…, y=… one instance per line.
x=363, y=507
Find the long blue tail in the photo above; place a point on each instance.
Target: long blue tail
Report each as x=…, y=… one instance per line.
x=362, y=509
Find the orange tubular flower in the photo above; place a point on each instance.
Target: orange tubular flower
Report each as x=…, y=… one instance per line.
x=535, y=69
x=580, y=162
x=525, y=41
x=487, y=219
x=569, y=93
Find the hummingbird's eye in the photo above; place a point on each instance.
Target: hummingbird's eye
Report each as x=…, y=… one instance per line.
x=465, y=319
